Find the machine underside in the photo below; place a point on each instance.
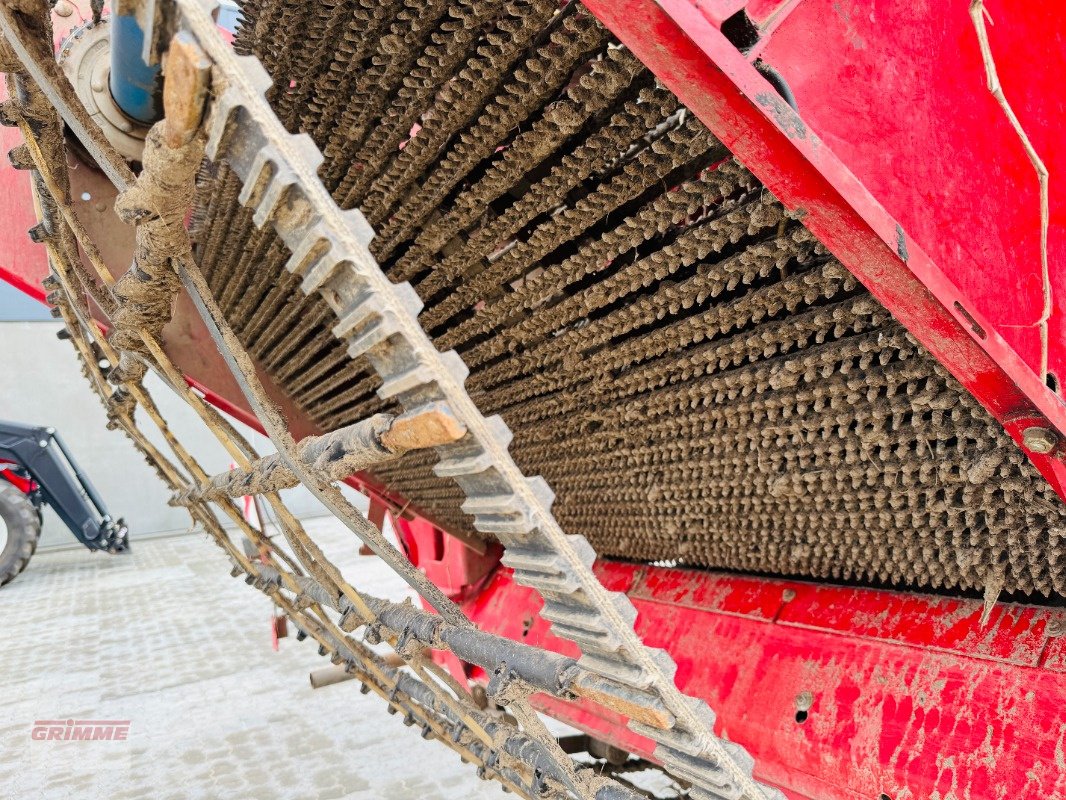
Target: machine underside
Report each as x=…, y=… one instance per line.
x=476, y=257
x=696, y=377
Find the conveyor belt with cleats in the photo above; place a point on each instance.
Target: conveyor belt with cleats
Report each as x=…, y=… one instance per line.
x=695, y=376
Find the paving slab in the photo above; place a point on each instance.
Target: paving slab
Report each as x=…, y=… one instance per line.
x=165, y=639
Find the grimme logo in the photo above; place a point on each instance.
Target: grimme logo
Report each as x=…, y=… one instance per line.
x=63, y=730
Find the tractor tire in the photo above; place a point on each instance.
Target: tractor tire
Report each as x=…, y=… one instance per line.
x=23, y=530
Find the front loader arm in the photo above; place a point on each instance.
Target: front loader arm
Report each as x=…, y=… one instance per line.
x=41, y=452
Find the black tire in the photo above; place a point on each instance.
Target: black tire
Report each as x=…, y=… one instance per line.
x=23, y=530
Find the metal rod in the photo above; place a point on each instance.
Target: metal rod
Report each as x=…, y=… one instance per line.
x=336, y=455
x=330, y=675
x=542, y=670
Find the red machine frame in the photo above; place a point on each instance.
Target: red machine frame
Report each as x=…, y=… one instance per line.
x=837, y=692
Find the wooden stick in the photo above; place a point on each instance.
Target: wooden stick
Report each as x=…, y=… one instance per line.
x=186, y=80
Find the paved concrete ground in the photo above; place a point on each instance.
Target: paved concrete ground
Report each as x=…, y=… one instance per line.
x=166, y=639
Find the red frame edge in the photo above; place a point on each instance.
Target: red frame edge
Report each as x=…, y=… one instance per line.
x=905, y=696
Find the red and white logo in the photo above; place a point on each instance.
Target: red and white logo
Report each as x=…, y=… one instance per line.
x=86, y=730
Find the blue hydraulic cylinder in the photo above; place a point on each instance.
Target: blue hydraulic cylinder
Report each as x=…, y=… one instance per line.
x=136, y=84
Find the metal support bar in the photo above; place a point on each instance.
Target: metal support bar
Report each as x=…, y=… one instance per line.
x=329, y=676
x=522, y=748
x=335, y=455
x=542, y=670
x=83, y=479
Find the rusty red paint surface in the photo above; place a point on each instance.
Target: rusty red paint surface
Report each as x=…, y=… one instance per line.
x=906, y=695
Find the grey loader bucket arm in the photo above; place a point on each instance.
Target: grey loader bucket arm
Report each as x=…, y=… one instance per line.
x=40, y=452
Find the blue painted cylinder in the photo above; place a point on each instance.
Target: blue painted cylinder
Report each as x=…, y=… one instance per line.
x=136, y=86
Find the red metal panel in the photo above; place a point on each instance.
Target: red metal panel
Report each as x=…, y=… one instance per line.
x=23, y=264
x=716, y=82
x=906, y=696
x=897, y=90
x=460, y=571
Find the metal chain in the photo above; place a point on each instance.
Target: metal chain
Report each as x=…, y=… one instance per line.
x=504, y=751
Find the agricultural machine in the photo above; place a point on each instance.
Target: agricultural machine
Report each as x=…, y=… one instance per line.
x=706, y=355
x=37, y=469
